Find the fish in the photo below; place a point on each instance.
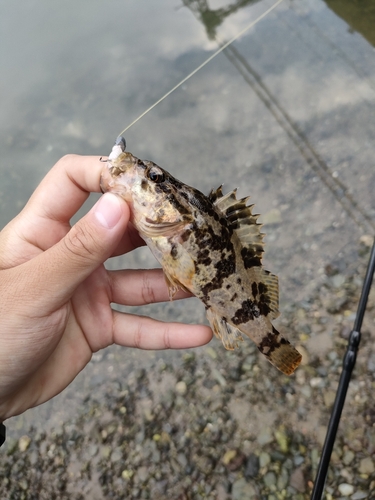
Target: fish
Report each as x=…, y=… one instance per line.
x=210, y=246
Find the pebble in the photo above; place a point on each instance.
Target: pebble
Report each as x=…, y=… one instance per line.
x=282, y=440
x=24, y=443
x=23, y=484
x=181, y=388
x=338, y=280
x=297, y=480
x=265, y=436
x=116, y=455
x=371, y=363
x=242, y=490
x=359, y=495
x=298, y=460
x=348, y=457
x=127, y=474
x=306, y=391
x=270, y=480
x=211, y=352
x=142, y=473
x=251, y=466
x=229, y=456
x=317, y=382
x=329, y=398
x=264, y=459
x=283, y=479
x=366, y=466
x=366, y=240
x=346, y=489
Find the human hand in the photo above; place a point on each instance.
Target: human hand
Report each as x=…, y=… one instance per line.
x=56, y=295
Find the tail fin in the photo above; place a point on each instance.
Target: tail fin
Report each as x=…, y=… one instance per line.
x=280, y=352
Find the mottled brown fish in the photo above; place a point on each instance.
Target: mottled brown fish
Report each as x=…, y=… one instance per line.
x=211, y=246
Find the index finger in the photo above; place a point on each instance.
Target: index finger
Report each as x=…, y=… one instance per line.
x=66, y=187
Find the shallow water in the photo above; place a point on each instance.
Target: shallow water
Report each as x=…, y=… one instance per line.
x=287, y=114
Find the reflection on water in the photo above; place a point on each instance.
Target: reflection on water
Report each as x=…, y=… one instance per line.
x=212, y=18
x=359, y=15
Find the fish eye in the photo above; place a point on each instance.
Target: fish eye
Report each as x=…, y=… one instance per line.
x=155, y=175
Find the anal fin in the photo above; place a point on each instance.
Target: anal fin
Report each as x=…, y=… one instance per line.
x=228, y=334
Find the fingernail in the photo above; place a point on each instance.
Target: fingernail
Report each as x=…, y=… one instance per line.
x=108, y=210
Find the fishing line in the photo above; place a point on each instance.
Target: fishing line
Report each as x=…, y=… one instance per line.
x=224, y=46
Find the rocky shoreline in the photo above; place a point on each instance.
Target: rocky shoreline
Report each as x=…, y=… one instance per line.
x=213, y=424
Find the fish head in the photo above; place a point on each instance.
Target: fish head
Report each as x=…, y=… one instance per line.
x=156, y=199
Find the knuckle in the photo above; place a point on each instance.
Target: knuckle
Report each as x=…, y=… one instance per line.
x=167, y=338
x=147, y=291
x=80, y=243
x=66, y=159
x=138, y=337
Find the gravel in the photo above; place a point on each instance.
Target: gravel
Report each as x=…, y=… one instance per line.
x=214, y=424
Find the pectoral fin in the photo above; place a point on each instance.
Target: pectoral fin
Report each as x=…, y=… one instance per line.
x=155, y=229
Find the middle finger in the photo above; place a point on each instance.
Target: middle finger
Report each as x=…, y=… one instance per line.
x=136, y=287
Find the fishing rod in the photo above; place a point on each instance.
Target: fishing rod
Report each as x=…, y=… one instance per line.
x=347, y=369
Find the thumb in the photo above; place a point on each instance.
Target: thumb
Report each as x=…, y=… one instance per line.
x=84, y=248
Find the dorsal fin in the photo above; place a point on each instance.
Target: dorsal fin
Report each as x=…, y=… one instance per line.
x=241, y=220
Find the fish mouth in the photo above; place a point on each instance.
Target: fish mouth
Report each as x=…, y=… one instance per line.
x=109, y=183
x=104, y=179
x=101, y=184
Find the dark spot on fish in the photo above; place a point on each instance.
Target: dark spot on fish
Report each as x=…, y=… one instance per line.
x=206, y=237
x=224, y=268
x=248, y=311
x=254, y=289
x=185, y=235
x=228, y=286
x=194, y=196
x=249, y=258
x=238, y=281
x=174, y=251
x=203, y=257
x=272, y=341
x=182, y=209
x=263, y=304
x=144, y=184
x=262, y=288
x=140, y=163
x=234, y=296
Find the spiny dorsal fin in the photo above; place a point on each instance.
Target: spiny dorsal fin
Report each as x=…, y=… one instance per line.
x=241, y=219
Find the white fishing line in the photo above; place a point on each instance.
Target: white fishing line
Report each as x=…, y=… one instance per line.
x=224, y=46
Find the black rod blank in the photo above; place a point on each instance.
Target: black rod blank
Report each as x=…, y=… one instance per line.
x=347, y=368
